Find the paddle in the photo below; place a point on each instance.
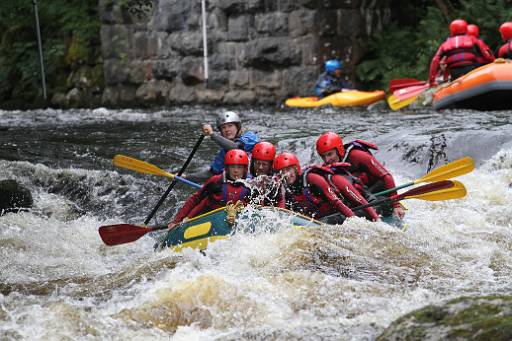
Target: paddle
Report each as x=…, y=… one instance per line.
x=127, y=162
x=396, y=84
x=124, y=233
x=436, y=191
x=450, y=170
x=396, y=104
x=185, y=165
x=410, y=91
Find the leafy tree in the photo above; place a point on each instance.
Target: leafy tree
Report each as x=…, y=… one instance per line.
x=70, y=32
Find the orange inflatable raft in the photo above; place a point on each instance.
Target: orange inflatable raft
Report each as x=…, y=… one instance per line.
x=488, y=87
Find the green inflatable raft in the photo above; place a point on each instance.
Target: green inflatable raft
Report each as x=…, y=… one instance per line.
x=199, y=231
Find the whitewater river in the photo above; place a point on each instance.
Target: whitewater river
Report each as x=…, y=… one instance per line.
x=58, y=281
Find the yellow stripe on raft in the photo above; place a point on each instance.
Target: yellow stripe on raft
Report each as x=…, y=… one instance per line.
x=351, y=98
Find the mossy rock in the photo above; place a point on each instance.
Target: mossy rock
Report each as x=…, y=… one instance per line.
x=464, y=318
x=14, y=197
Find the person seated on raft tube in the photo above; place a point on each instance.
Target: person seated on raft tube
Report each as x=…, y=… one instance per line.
x=312, y=195
x=231, y=137
x=369, y=175
x=266, y=188
x=219, y=189
x=474, y=30
x=505, y=51
x=331, y=81
x=461, y=51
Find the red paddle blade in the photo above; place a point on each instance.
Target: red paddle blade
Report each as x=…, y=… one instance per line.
x=410, y=91
x=396, y=84
x=122, y=233
x=434, y=186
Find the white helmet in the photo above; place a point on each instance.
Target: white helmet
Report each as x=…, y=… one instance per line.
x=228, y=117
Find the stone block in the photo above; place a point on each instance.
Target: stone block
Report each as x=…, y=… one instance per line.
x=166, y=69
x=153, y=92
x=265, y=80
x=218, y=79
x=240, y=97
x=273, y=24
x=238, y=28
x=192, y=71
x=145, y=45
x=301, y=22
x=299, y=81
x=180, y=93
x=115, y=71
x=118, y=41
x=186, y=43
x=239, y=79
x=208, y=95
x=222, y=61
x=235, y=7
x=172, y=15
x=269, y=53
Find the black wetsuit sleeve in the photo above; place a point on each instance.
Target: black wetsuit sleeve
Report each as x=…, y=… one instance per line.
x=200, y=176
x=223, y=142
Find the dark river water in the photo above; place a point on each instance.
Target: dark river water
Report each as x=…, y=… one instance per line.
x=58, y=281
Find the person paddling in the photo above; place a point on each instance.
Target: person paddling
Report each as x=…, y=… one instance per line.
x=461, y=52
x=220, y=189
x=505, y=51
x=231, y=137
x=331, y=81
x=311, y=194
x=370, y=175
x=474, y=30
x=267, y=188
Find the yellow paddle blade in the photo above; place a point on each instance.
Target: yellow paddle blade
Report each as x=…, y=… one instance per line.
x=395, y=103
x=448, y=171
x=457, y=191
x=139, y=166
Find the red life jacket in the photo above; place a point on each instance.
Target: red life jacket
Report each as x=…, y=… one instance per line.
x=459, y=51
x=506, y=50
x=358, y=173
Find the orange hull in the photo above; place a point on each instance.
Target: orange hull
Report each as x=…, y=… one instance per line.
x=488, y=87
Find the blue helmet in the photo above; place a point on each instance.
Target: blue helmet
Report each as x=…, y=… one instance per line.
x=333, y=65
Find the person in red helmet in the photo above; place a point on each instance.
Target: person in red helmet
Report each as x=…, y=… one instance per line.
x=367, y=173
x=474, y=30
x=311, y=194
x=266, y=189
x=262, y=159
x=461, y=52
x=219, y=189
x=505, y=51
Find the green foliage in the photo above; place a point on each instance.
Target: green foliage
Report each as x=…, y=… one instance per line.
x=406, y=50
x=70, y=36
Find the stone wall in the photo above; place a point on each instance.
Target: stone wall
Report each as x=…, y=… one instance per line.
x=260, y=51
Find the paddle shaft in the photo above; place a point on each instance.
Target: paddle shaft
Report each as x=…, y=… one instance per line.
x=173, y=183
x=394, y=189
x=188, y=182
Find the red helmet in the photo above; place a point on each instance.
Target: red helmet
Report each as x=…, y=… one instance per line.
x=473, y=30
x=284, y=160
x=458, y=26
x=264, y=151
x=506, y=30
x=328, y=141
x=236, y=157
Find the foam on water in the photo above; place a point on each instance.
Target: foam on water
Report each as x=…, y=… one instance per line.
x=57, y=279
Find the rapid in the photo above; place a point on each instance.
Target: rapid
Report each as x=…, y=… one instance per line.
x=58, y=281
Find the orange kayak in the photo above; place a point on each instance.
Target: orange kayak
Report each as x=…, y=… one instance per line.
x=350, y=98
x=488, y=87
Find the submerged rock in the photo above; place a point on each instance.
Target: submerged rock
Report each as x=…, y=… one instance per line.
x=464, y=318
x=13, y=197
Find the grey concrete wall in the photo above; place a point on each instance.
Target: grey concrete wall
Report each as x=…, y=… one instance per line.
x=260, y=51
